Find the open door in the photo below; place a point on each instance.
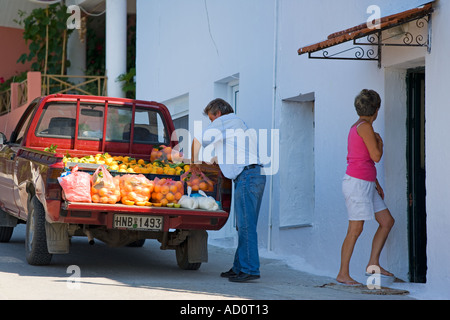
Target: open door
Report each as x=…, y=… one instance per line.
x=417, y=230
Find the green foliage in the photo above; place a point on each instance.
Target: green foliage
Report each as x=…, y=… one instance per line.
x=35, y=27
x=128, y=83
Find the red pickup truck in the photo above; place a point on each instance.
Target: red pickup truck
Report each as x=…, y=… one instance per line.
x=88, y=125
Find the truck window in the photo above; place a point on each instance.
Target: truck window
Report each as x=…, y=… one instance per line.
x=119, y=118
x=90, y=126
x=21, y=131
x=149, y=127
x=57, y=121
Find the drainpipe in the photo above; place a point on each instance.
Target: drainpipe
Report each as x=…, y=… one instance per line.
x=116, y=45
x=274, y=103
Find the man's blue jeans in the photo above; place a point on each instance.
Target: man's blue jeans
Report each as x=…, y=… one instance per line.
x=248, y=193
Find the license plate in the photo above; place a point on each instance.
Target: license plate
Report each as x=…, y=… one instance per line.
x=138, y=222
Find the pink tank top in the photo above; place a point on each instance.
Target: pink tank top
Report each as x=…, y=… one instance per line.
x=359, y=163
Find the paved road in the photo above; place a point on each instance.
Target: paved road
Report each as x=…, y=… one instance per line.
x=149, y=273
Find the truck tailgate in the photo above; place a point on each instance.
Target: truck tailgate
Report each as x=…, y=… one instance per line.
x=173, y=218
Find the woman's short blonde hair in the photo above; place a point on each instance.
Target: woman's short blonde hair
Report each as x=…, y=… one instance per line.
x=367, y=102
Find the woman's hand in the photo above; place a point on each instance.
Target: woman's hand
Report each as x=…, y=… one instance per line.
x=379, y=189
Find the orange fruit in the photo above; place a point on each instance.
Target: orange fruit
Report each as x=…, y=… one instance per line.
x=112, y=199
x=93, y=190
x=165, y=189
x=178, y=196
x=132, y=195
x=103, y=192
x=157, y=196
x=128, y=202
x=95, y=198
x=203, y=186
x=146, y=192
x=170, y=197
x=104, y=199
x=173, y=188
x=164, y=202
x=128, y=187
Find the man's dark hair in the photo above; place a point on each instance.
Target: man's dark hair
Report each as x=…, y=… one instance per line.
x=218, y=105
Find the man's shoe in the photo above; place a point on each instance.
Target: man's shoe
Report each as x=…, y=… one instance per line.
x=243, y=277
x=228, y=274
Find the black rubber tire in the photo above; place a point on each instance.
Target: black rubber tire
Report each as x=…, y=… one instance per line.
x=6, y=234
x=181, y=252
x=35, y=237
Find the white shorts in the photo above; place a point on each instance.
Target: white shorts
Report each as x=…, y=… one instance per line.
x=361, y=198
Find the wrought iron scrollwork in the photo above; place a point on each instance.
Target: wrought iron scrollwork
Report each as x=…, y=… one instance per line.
x=375, y=41
x=353, y=53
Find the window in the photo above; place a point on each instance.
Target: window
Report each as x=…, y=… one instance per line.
x=21, y=131
x=149, y=127
x=118, y=126
x=90, y=126
x=57, y=121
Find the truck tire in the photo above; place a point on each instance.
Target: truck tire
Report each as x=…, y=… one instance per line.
x=5, y=234
x=35, y=237
x=182, y=255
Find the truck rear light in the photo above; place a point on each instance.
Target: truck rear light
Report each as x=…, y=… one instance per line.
x=53, y=193
x=53, y=186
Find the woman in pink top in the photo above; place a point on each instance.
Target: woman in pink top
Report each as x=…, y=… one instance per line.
x=364, y=196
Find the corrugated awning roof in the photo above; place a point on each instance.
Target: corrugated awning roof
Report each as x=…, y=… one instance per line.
x=363, y=30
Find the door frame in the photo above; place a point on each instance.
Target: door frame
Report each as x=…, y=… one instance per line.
x=416, y=157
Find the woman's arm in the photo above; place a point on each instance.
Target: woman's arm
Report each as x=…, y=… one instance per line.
x=379, y=189
x=373, y=141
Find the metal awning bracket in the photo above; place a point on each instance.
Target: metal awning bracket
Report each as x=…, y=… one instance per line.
x=394, y=35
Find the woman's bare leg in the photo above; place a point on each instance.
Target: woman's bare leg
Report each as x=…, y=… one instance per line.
x=386, y=222
x=354, y=230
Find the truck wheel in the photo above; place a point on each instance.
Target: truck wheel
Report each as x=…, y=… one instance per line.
x=181, y=252
x=5, y=234
x=35, y=237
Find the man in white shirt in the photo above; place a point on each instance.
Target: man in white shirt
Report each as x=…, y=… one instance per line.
x=238, y=160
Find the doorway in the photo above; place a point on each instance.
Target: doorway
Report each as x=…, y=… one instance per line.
x=417, y=237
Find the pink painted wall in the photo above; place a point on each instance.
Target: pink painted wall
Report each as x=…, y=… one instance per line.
x=9, y=121
x=12, y=47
